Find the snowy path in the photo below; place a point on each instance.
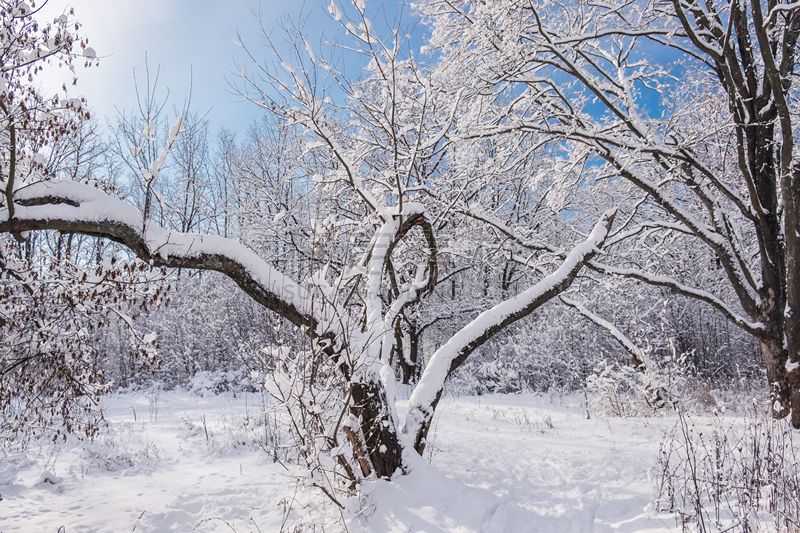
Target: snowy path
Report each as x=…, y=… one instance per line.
x=515, y=463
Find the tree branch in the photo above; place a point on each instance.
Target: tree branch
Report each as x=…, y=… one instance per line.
x=72, y=207
x=449, y=357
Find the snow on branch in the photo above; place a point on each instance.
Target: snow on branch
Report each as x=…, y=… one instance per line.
x=450, y=356
x=781, y=8
x=636, y=353
x=478, y=213
x=72, y=207
x=754, y=328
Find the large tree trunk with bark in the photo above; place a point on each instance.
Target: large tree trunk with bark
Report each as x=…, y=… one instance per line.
x=371, y=407
x=775, y=356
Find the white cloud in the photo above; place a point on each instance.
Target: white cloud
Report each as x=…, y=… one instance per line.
x=183, y=39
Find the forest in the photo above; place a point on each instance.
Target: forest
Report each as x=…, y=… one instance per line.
x=587, y=209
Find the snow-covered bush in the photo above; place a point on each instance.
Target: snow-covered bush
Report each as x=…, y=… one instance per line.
x=109, y=455
x=206, y=383
x=54, y=325
x=316, y=406
x=622, y=390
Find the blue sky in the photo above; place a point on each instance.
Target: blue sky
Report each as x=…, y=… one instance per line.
x=189, y=40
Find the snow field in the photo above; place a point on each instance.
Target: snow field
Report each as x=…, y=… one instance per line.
x=154, y=470
x=174, y=461
x=524, y=463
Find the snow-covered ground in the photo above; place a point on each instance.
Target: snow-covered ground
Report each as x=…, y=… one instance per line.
x=524, y=463
x=176, y=461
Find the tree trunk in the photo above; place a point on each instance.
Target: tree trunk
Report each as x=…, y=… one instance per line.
x=371, y=408
x=791, y=313
x=792, y=360
x=410, y=367
x=792, y=328
x=775, y=357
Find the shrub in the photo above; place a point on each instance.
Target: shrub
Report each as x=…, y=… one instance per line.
x=731, y=475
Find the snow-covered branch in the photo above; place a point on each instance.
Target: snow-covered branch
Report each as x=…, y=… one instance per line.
x=754, y=328
x=450, y=356
x=71, y=207
x=636, y=353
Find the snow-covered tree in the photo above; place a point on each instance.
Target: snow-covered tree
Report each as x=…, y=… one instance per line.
x=682, y=113
x=58, y=295
x=349, y=306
